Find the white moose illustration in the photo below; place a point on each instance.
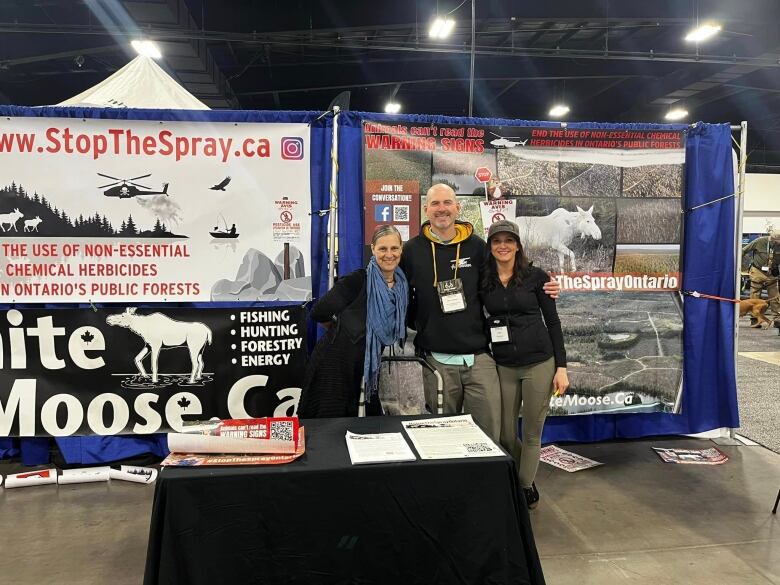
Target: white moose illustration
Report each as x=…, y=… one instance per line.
x=557, y=231
x=159, y=332
x=31, y=225
x=10, y=219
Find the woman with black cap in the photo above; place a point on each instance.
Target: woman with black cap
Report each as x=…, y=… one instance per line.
x=528, y=350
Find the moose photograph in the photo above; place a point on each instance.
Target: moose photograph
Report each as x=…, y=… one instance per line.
x=568, y=234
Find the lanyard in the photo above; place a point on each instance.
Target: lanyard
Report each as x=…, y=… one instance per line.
x=457, y=263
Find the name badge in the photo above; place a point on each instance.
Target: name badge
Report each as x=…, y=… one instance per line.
x=765, y=268
x=499, y=330
x=499, y=334
x=451, y=295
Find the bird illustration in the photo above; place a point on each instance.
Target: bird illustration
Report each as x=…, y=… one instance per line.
x=221, y=186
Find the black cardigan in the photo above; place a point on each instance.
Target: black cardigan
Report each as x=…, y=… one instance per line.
x=521, y=308
x=347, y=302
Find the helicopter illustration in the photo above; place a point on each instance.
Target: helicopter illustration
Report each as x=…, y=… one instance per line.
x=127, y=188
x=504, y=142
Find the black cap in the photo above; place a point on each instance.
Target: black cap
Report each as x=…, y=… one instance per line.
x=504, y=225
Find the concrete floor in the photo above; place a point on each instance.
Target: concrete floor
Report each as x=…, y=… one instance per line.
x=634, y=520
x=640, y=521
x=758, y=384
x=85, y=534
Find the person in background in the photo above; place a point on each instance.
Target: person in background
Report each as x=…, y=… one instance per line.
x=365, y=312
x=765, y=253
x=443, y=265
x=528, y=351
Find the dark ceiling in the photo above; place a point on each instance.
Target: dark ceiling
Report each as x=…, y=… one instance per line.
x=610, y=60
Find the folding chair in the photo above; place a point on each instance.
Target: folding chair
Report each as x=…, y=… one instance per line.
x=401, y=386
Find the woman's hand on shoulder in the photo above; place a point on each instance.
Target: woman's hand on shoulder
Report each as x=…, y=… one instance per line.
x=560, y=382
x=552, y=287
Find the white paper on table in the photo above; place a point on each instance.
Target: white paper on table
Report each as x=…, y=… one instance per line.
x=83, y=475
x=1, y=481
x=378, y=448
x=194, y=443
x=450, y=437
x=41, y=477
x=566, y=460
x=134, y=474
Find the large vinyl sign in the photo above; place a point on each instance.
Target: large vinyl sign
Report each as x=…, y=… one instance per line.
x=133, y=211
x=138, y=371
x=599, y=208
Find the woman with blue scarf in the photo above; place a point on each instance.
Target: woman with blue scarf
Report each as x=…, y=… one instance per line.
x=365, y=312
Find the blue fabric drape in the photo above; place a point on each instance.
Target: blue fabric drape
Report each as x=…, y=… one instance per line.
x=9, y=448
x=95, y=449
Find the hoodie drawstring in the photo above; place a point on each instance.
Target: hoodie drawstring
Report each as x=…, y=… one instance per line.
x=457, y=263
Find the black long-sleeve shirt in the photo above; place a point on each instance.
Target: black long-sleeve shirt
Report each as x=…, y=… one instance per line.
x=521, y=308
x=347, y=302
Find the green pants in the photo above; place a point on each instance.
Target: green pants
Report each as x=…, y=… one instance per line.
x=471, y=390
x=528, y=388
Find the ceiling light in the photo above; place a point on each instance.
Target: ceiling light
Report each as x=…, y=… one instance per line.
x=702, y=33
x=559, y=110
x=676, y=114
x=441, y=28
x=392, y=107
x=147, y=49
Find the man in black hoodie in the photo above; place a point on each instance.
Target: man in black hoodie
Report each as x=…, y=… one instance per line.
x=443, y=266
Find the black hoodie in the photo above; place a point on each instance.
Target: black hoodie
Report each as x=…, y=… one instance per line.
x=457, y=333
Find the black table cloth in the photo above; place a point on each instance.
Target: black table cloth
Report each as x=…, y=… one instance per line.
x=321, y=520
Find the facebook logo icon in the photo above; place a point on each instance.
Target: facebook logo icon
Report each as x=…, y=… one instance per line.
x=383, y=213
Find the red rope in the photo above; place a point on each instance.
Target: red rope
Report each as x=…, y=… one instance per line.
x=697, y=294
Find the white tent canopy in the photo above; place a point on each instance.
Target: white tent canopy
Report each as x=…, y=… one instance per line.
x=139, y=84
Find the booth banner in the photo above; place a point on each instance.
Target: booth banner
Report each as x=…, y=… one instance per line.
x=138, y=371
x=600, y=208
x=128, y=210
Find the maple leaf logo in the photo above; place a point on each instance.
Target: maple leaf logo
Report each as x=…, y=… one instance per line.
x=87, y=337
x=183, y=402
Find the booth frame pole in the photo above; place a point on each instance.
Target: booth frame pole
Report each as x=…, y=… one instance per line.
x=333, y=216
x=473, y=49
x=738, y=211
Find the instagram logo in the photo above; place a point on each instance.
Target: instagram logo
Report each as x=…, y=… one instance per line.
x=292, y=148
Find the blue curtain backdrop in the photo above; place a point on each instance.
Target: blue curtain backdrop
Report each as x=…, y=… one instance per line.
x=709, y=397
x=710, y=393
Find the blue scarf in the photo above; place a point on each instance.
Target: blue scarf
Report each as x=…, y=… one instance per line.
x=385, y=320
